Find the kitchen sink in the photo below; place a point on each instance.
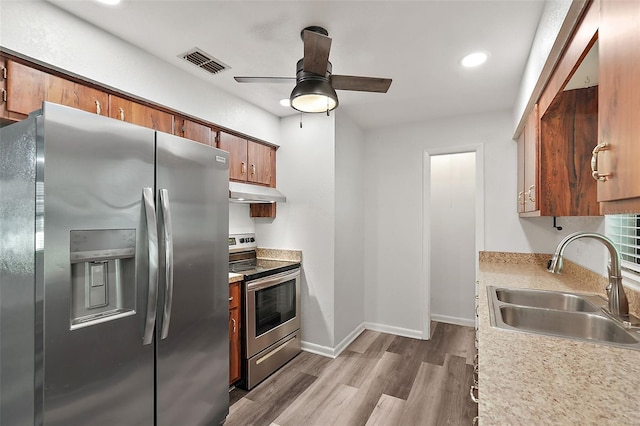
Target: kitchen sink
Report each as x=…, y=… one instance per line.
x=560, y=314
x=550, y=299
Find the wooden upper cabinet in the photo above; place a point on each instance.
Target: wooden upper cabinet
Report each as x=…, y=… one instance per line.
x=521, y=166
x=195, y=131
x=568, y=133
x=28, y=87
x=65, y=92
x=260, y=159
x=531, y=154
x=619, y=106
x=249, y=161
x=237, y=148
x=25, y=88
x=133, y=112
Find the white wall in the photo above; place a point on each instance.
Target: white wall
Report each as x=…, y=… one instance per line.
x=453, y=243
x=553, y=15
x=393, y=205
x=50, y=35
x=240, y=221
x=349, y=228
x=306, y=175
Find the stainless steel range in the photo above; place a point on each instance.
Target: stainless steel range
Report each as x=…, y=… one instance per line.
x=271, y=295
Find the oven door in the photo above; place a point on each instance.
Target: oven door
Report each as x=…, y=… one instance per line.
x=272, y=309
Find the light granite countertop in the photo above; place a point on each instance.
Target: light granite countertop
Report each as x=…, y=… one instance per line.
x=234, y=278
x=534, y=379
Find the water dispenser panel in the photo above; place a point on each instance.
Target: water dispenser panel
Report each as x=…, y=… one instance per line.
x=102, y=275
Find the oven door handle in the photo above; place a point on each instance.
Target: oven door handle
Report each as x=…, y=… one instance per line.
x=272, y=280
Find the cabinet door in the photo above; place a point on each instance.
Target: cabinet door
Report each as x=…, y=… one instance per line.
x=133, y=112
x=521, y=164
x=260, y=163
x=619, y=99
x=531, y=147
x=69, y=93
x=25, y=88
x=234, y=333
x=195, y=131
x=237, y=148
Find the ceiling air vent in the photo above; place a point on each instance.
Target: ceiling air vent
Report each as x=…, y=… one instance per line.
x=204, y=61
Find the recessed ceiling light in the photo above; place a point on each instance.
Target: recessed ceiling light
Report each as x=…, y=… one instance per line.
x=109, y=2
x=285, y=102
x=474, y=59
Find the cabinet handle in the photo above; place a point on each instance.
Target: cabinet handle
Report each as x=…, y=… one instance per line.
x=253, y=169
x=233, y=320
x=243, y=168
x=231, y=299
x=594, y=162
x=121, y=110
x=98, y=107
x=472, y=393
x=531, y=188
x=4, y=95
x=475, y=421
x=4, y=73
x=521, y=197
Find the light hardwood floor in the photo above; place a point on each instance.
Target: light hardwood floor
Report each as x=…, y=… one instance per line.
x=380, y=379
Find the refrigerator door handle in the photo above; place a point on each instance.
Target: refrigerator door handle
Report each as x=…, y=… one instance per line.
x=168, y=256
x=152, y=236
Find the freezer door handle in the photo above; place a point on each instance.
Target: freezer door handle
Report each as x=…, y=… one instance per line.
x=168, y=257
x=152, y=235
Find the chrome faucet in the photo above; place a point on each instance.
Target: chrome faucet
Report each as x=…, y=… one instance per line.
x=618, y=303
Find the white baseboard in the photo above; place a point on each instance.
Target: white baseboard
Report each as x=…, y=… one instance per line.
x=453, y=320
x=398, y=331
x=347, y=340
x=333, y=352
x=405, y=332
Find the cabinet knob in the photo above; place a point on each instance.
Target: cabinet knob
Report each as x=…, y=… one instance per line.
x=594, y=162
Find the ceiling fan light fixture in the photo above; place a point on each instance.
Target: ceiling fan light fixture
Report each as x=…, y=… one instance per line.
x=314, y=95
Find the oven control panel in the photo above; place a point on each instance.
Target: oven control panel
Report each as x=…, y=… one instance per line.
x=242, y=242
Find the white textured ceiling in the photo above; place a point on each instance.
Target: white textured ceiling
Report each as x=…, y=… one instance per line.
x=416, y=43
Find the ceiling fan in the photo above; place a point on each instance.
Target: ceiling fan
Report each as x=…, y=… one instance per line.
x=315, y=89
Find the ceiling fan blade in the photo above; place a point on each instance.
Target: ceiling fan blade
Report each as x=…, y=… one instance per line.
x=316, y=52
x=361, y=84
x=287, y=80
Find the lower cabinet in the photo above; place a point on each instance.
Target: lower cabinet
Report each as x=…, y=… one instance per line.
x=234, y=333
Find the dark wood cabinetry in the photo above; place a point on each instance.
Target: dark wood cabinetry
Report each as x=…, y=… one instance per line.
x=195, y=131
x=235, y=354
x=568, y=133
x=27, y=88
x=133, y=112
x=25, y=85
x=249, y=161
x=619, y=106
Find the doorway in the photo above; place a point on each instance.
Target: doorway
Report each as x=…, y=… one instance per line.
x=453, y=224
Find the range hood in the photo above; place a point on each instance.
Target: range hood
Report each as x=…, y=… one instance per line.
x=244, y=193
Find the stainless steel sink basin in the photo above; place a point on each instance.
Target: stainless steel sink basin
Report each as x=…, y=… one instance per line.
x=579, y=325
x=550, y=299
x=560, y=314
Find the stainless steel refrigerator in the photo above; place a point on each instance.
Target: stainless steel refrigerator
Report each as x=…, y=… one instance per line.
x=113, y=274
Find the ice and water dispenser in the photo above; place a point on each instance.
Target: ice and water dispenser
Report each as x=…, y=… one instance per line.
x=102, y=275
